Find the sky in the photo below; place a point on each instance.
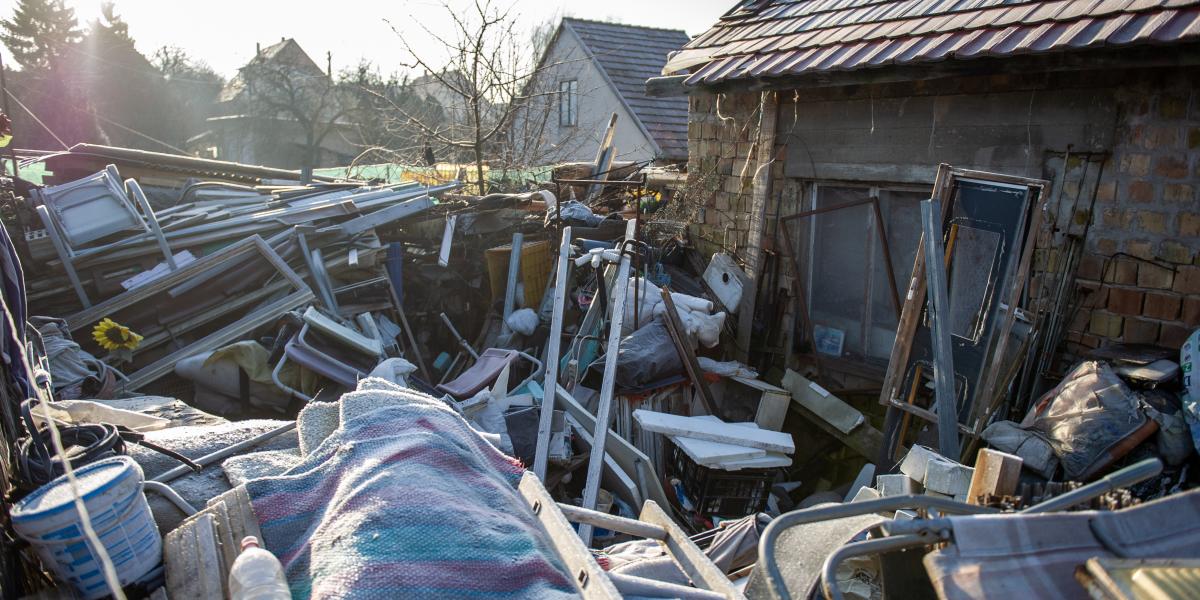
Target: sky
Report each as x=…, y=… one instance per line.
x=223, y=33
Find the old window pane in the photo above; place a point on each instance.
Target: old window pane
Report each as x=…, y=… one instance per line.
x=974, y=255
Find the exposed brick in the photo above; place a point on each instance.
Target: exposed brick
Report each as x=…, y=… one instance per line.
x=1140, y=248
x=1107, y=192
x=1125, y=301
x=1091, y=341
x=1179, y=193
x=1079, y=322
x=1161, y=306
x=1154, y=137
x=1189, y=224
x=1173, y=251
x=1152, y=222
x=1191, y=311
x=1193, y=138
x=1154, y=277
x=1140, y=191
x=1137, y=165
x=1106, y=245
x=1093, y=295
x=1172, y=336
x=1187, y=280
x=1140, y=331
x=1122, y=272
x=1106, y=324
x=1171, y=167
x=1091, y=266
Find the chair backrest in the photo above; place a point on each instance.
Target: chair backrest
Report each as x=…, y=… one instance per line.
x=91, y=208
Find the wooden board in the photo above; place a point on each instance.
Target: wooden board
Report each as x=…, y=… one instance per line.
x=703, y=429
x=830, y=408
x=192, y=561
x=996, y=473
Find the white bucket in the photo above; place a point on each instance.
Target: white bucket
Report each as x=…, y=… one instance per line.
x=112, y=491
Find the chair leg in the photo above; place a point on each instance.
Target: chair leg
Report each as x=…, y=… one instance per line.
x=151, y=220
x=64, y=254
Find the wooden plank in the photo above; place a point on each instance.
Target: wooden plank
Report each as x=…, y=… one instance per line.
x=939, y=310
x=683, y=346
x=996, y=473
x=553, y=351
x=703, y=573
x=702, y=429
x=817, y=399
x=191, y=561
x=586, y=575
x=760, y=196
x=591, y=488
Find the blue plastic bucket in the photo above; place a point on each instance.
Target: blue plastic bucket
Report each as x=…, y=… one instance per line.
x=112, y=491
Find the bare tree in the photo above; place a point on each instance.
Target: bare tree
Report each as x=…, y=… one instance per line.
x=300, y=92
x=485, y=81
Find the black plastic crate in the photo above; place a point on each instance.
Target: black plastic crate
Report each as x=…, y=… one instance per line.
x=714, y=492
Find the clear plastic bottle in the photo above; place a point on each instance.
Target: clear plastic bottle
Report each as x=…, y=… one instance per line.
x=257, y=574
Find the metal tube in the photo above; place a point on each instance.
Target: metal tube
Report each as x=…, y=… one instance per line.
x=766, y=543
x=640, y=587
x=553, y=350
x=829, y=583
x=613, y=522
x=939, y=326
x=209, y=459
x=461, y=341
x=169, y=493
x=510, y=290
x=1126, y=477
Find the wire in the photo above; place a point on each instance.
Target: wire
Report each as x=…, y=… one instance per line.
x=85, y=518
x=39, y=121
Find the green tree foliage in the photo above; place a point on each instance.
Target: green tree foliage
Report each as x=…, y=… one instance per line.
x=194, y=87
x=40, y=32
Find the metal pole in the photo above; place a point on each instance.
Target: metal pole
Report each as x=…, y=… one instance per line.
x=12, y=154
x=510, y=292
x=553, y=349
x=209, y=459
x=1126, y=477
x=591, y=489
x=461, y=341
x=939, y=310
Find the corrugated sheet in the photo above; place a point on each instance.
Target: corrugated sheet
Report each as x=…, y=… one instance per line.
x=792, y=37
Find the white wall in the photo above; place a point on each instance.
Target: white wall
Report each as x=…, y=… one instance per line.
x=567, y=60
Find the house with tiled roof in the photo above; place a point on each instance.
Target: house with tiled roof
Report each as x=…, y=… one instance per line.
x=808, y=107
x=589, y=71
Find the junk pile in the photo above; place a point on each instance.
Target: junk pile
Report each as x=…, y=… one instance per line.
x=388, y=387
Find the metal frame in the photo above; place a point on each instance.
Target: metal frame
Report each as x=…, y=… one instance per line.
x=620, y=290
x=190, y=276
x=553, y=349
x=593, y=582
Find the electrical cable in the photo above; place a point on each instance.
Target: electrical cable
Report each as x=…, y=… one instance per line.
x=39, y=121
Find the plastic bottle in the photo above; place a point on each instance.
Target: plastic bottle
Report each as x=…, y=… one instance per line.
x=257, y=574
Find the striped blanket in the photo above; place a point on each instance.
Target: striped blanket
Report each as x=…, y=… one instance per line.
x=406, y=501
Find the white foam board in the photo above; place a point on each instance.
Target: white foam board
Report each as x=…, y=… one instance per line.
x=706, y=429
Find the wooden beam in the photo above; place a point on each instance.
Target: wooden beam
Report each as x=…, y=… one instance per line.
x=767, y=118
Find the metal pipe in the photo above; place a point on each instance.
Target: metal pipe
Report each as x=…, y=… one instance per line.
x=640, y=587
x=209, y=459
x=169, y=493
x=829, y=583
x=510, y=290
x=461, y=341
x=1126, y=477
x=553, y=351
x=773, y=578
x=613, y=522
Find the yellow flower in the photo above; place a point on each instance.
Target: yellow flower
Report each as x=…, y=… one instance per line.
x=114, y=336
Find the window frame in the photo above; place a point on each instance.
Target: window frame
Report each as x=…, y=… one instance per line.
x=811, y=195
x=568, y=96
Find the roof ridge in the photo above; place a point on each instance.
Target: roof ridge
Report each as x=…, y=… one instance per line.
x=624, y=25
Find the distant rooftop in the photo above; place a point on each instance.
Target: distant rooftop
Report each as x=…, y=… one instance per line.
x=629, y=55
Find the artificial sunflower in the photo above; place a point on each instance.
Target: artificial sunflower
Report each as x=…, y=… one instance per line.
x=113, y=336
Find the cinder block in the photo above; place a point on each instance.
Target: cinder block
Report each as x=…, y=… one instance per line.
x=945, y=476
x=915, y=461
x=864, y=494
x=896, y=485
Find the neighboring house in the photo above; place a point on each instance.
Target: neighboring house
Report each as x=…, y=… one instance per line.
x=248, y=130
x=798, y=105
x=589, y=71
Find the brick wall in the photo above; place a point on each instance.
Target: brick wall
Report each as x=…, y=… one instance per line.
x=1140, y=274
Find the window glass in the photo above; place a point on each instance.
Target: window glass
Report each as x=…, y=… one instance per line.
x=902, y=223
x=568, y=103
x=974, y=255
x=839, y=267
